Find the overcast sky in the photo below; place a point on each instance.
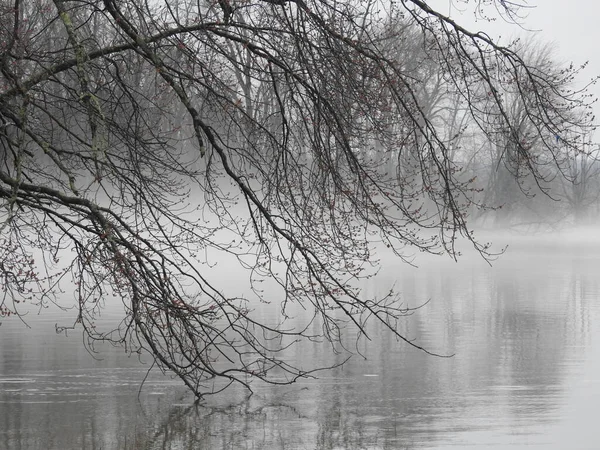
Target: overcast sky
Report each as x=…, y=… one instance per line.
x=571, y=26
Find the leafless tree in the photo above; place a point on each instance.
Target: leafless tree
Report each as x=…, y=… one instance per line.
x=140, y=137
x=580, y=189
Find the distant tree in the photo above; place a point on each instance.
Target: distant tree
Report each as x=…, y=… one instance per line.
x=498, y=157
x=140, y=139
x=580, y=189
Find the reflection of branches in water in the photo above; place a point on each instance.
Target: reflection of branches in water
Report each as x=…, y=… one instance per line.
x=337, y=429
x=176, y=426
x=582, y=287
x=213, y=427
x=352, y=427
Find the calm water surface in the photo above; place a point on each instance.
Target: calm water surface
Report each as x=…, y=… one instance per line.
x=526, y=373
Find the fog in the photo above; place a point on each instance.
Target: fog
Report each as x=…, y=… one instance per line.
x=525, y=370
x=332, y=288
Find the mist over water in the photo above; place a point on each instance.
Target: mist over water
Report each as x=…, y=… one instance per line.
x=210, y=162
x=525, y=372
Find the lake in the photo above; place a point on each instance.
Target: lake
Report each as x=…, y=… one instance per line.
x=525, y=335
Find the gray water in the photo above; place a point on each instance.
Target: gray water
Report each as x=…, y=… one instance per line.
x=525, y=335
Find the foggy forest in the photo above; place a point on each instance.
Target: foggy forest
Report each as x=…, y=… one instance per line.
x=256, y=200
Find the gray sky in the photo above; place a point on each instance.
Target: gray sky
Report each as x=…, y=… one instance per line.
x=574, y=30
x=572, y=27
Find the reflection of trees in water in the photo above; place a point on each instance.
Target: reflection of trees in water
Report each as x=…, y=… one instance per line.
x=515, y=333
x=355, y=417
x=515, y=330
x=266, y=427
x=245, y=425
x=543, y=318
x=583, y=289
x=177, y=426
